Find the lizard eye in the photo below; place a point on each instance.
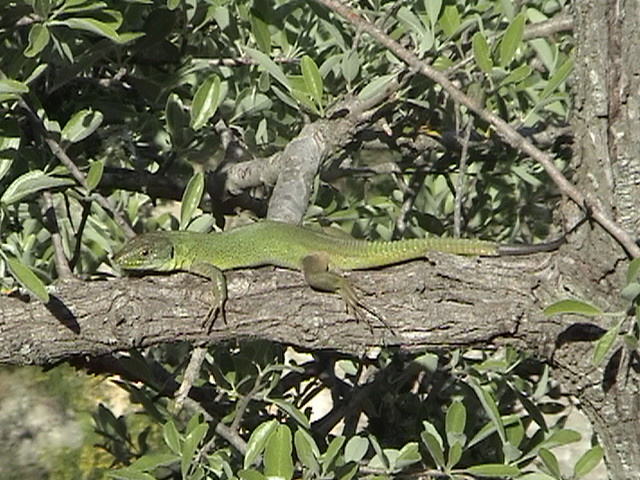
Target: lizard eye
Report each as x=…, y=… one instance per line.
x=144, y=252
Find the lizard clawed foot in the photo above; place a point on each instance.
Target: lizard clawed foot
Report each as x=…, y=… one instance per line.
x=355, y=306
x=212, y=315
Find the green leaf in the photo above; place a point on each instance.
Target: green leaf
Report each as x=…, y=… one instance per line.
x=450, y=20
x=205, y=102
x=518, y=75
x=588, y=461
x=350, y=65
x=261, y=33
x=633, y=270
x=491, y=408
x=355, y=449
x=173, y=4
x=38, y=39
x=190, y=446
x=191, y=199
x=376, y=86
x=456, y=418
x=312, y=79
x=25, y=277
x=572, y=306
x=270, y=66
x=307, y=450
x=381, y=457
x=130, y=474
x=82, y=124
x=250, y=475
x=278, y=461
x=408, y=455
x=171, y=436
x=92, y=25
x=550, y=461
x=427, y=361
x=258, y=440
x=29, y=183
x=8, y=85
x=175, y=118
x=291, y=410
x=557, y=78
x=412, y=22
x=536, y=476
x=481, y=52
x=511, y=40
x=630, y=291
x=454, y=455
x=562, y=437
x=433, y=10
x=604, y=343
x=36, y=73
x=328, y=457
x=493, y=470
x=5, y=165
x=95, y=174
x=151, y=462
x=435, y=448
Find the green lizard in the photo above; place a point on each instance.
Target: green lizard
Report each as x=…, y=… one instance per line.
x=320, y=256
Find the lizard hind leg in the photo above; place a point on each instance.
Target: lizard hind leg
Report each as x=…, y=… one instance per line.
x=316, y=273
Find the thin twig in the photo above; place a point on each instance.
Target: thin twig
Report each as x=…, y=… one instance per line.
x=62, y=156
x=462, y=171
x=506, y=131
x=62, y=265
x=190, y=376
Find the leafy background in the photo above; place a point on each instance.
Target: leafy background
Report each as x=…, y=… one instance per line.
x=111, y=111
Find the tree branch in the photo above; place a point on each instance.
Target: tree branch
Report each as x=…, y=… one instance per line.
x=445, y=301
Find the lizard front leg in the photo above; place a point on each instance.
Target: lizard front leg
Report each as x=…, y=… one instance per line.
x=218, y=290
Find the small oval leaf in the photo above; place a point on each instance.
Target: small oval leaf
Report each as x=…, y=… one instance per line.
x=258, y=440
x=355, y=449
x=25, y=277
x=8, y=85
x=278, y=461
x=205, y=102
x=191, y=199
x=572, y=306
x=81, y=125
x=511, y=40
x=312, y=79
x=38, y=39
x=588, y=461
x=434, y=447
x=171, y=436
x=29, y=183
x=604, y=344
x=456, y=418
x=293, y=411
x=95, y=174
x=481, y=52
x=493, y=470
x=307, y=450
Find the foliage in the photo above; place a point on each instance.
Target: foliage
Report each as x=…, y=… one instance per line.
x=143, y=91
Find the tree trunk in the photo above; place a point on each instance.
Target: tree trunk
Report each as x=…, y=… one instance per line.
x=607, y=142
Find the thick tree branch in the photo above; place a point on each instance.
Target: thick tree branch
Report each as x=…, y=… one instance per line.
x=444, y=301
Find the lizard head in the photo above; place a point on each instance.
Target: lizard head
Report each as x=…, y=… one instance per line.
x=151, y=251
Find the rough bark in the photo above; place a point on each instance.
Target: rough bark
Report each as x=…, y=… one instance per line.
x=606, y=163
x=443, y=301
